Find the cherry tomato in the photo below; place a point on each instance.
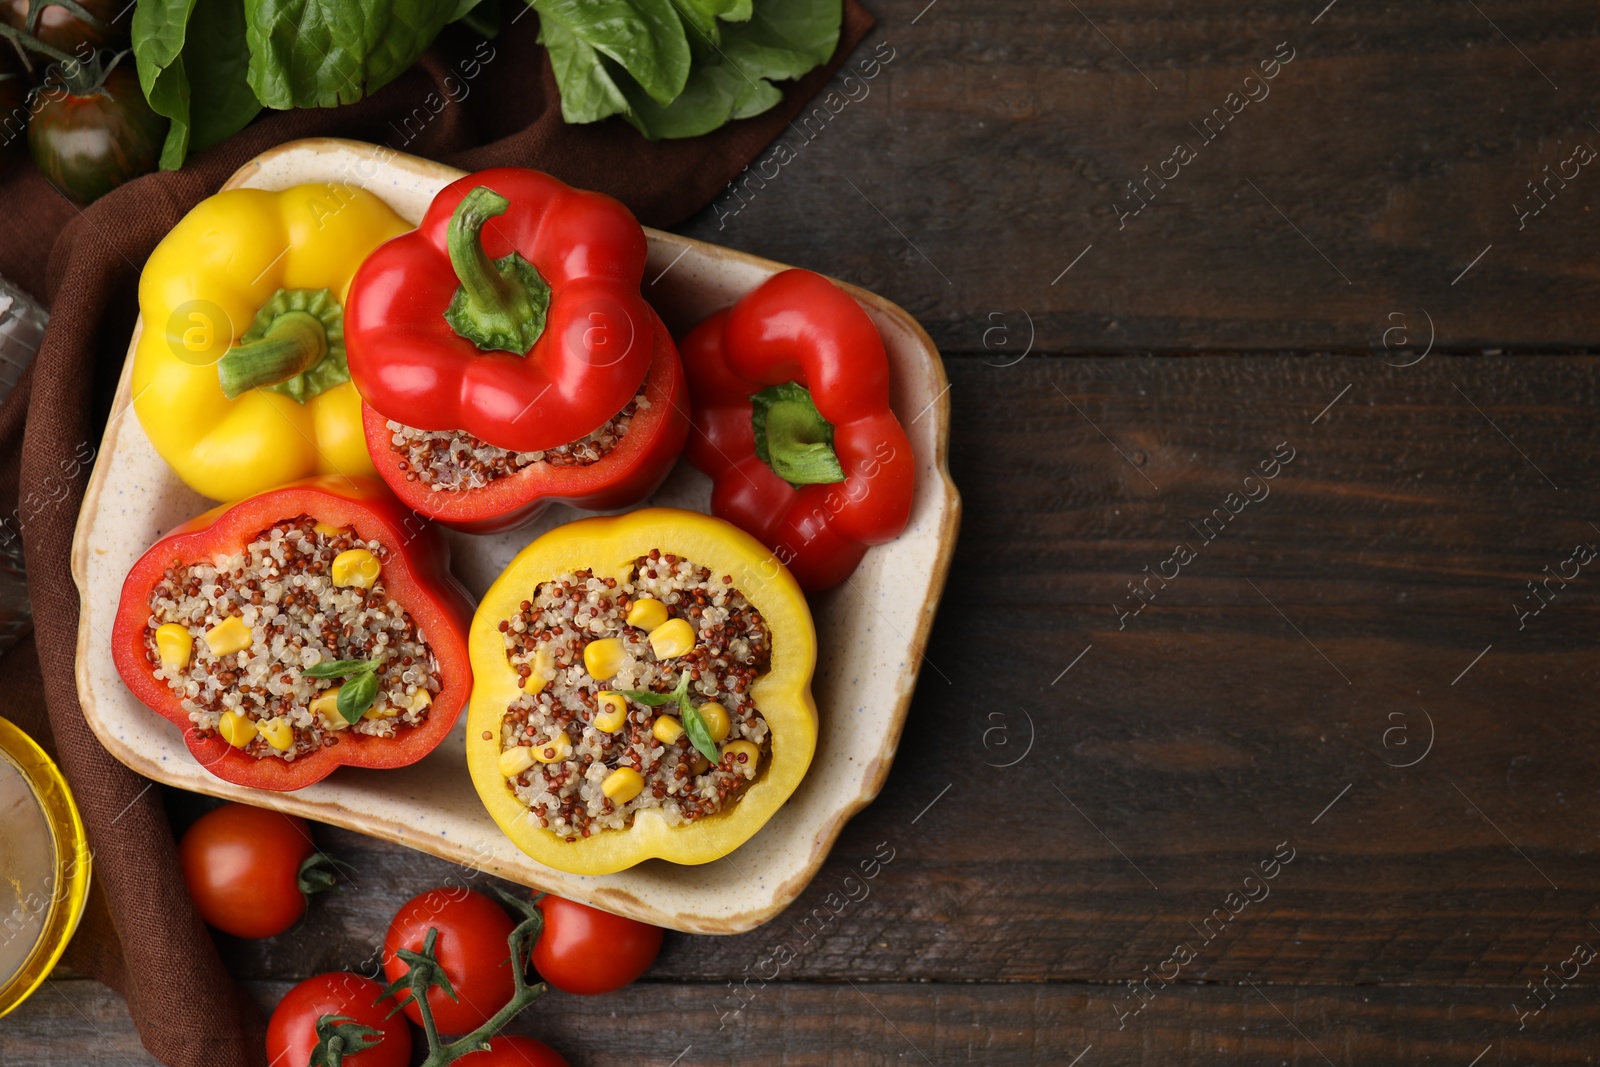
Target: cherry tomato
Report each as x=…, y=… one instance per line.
x=56, y=26
x=292, y=1031
x=242, y=866
x=471, y=948
x=89, y=143
x=511, y=1051
x=586, y=950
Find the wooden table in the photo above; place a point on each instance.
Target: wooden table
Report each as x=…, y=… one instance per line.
x=1158, y=675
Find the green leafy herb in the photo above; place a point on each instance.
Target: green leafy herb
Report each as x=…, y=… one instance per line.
x=201, y=43
x=699, y=733
x=356, y=696
x=587, y=92
x=645, y=37
x=359, y=690
x=738, y=49
x=693, y=724
x=321, y=53
x=337, y=668
x=654, y=700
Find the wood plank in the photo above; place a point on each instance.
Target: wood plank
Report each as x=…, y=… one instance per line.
x=990, y=150
x=1181, y=750
x=796, y=1024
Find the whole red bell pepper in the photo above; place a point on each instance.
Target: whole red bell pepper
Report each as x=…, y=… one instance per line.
x=791, y=419
x=415, y=574
x=513, y=314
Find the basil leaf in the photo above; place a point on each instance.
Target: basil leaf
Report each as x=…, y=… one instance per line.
x=357, y=695
x=647, y=698
x=321, y=53
x=646, y=37
x=654, y=700
x=338, y=668
x=176, y=41
x=699, y=733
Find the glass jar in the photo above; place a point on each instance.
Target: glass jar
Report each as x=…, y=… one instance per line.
x=45, y=859
x=22, y=323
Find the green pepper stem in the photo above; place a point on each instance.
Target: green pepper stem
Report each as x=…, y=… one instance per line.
x=501, y=303
x=793, y=437
x=294, y=343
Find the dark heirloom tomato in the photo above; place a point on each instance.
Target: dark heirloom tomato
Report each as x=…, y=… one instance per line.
x=88, y=144
x=292, y=1033
x=59, y=27
x=586, y=950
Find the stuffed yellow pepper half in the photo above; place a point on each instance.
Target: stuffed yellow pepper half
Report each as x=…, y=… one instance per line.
x=641, y=688
x=239, y=377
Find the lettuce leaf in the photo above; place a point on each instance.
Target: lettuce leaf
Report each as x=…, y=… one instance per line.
x=782, y=40
x=182, y=43
x=321, y=53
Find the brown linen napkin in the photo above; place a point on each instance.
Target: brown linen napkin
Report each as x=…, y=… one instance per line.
x=147, y=942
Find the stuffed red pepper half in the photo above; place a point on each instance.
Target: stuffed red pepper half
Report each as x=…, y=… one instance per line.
x=311, y=627
x=507, y=360
x=790, y=391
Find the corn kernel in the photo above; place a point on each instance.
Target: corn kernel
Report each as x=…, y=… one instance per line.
x=380, y=710
x=672, y=639
x=174, y=645
x=278, y=732
x=647, y=613
x=751, y=754
x=715, y=716
x=544, y=659
x=236, y=729
x=420, y=699
x=700, y=764
x=622, y=785
x=327, y=529
x=603, y=658
x=326, y=705
x=554, y=750
x=229, y=635
x=513, y=761
x=666, y=729
x=357, y=567
x=611, y=712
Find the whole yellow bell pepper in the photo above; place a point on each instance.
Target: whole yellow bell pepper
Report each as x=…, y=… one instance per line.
x=609, y=547
x=239, y=376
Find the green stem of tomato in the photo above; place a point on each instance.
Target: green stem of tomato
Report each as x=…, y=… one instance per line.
x=33, y=44
x=521, y=941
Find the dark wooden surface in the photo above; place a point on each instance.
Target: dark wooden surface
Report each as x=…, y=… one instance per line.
x=1341, y=673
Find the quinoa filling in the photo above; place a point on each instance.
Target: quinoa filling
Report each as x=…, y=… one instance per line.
x=454, y=459
x=234, y=637
x=599, y=733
